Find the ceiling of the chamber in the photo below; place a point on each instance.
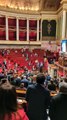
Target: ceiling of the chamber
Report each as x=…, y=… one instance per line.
x=31, y=4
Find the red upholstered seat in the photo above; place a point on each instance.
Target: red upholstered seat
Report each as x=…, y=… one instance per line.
x=22, y=23
x=11, y=22
x=2, y=20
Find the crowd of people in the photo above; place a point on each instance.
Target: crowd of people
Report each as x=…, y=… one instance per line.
x=46, y=97
x=39, y=102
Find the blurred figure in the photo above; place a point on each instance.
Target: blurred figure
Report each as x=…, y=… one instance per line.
x=4, y=80
x=17, y=80
x=8, y=104
x=58, y=107
x=34, y=79
x=22, y=86
x=52, y=86
x=25, y=81
x=38, y=99
x=48, y=77
x=56, y=81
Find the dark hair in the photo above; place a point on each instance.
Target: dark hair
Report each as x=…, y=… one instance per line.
x=65, y=79
x=8, y=100
x=40, y=78
x=3, y=80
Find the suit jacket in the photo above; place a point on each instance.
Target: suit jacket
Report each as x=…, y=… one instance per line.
x=58, y=107
x=25, y=81
x=38, y=99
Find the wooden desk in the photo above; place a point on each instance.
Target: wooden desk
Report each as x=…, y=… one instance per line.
x=53, y=93
x=21, y=92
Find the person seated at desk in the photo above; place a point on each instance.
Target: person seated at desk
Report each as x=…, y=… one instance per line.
x=9, y=109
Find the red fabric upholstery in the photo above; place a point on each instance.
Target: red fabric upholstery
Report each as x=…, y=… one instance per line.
x=2, y=20
x=22, y=36
x=22, y=23
x=11, y=22
x=12, y=35
x=33, y=35
x=2, y=35
x=33, y=23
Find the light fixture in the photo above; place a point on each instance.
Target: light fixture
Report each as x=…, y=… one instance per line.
x=21, y=4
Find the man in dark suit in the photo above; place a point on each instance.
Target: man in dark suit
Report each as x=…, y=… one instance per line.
x=25, y=81
x=58, y=107
x=38, y=99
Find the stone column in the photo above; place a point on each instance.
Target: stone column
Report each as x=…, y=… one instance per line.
x=17, y=28
x=27, y=29
x=37, y=30
x=64, y=24
x=7, y=37
x=41, y=31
